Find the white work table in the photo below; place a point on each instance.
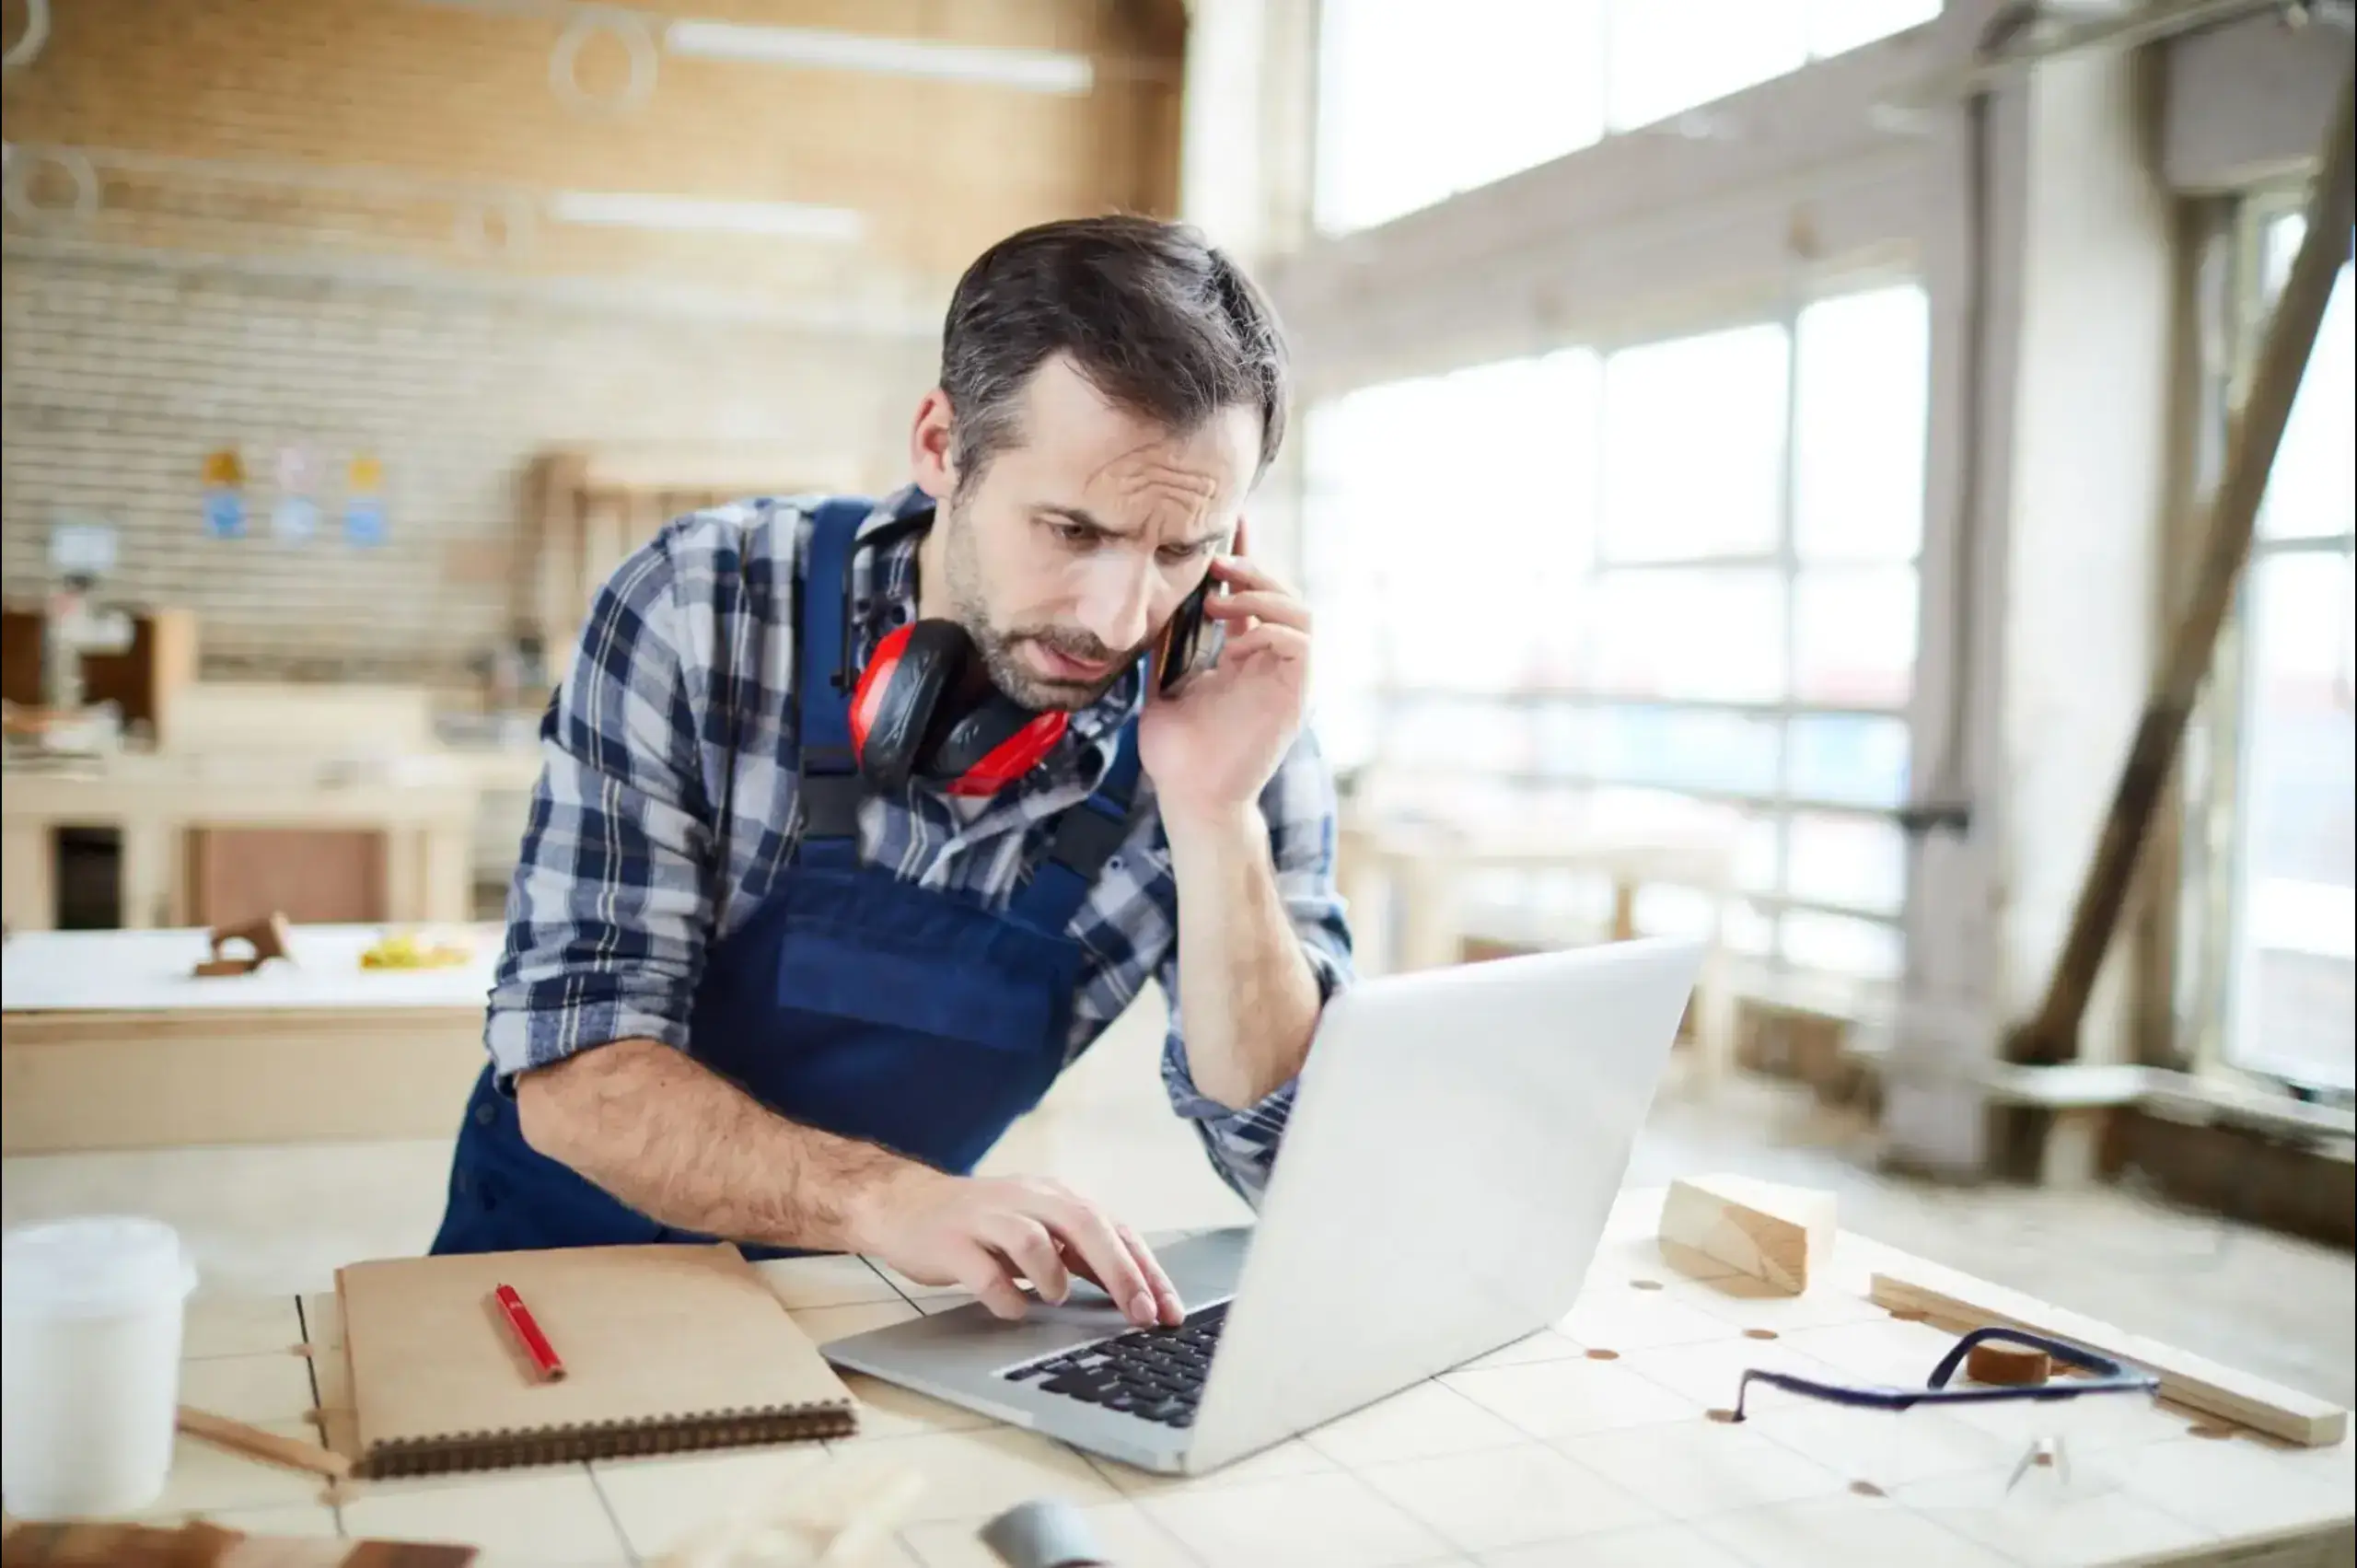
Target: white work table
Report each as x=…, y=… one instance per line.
x=153, y=971
x=108, y=1040
x=1588, y=1443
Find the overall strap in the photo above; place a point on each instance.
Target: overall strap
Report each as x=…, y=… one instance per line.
x=1086, y=835
x=829, y=783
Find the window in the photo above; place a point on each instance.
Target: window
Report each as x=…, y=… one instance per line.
x=1659, y=502
x=1666, y=585
x=1670, y=55
x=1418, y=99
x=1836, y=27
x=1422, y=490
x=1711, y=634
x=2292, y=969
x=1853, y=635
x=1848, y=862
x=1864, y=386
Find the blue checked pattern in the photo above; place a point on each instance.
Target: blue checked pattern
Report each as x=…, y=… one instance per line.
x=667, y=796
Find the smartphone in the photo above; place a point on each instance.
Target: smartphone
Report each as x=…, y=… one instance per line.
x=1192, y=643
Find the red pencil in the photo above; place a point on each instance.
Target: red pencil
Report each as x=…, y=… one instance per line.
x=528, y=1329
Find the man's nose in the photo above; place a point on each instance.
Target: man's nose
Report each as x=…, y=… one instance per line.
x=1117, y=604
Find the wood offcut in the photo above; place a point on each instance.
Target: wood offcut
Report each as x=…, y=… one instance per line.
x=2196, y=1383
x=2007, y=1367
x=266, y=938
x=1776, y=1234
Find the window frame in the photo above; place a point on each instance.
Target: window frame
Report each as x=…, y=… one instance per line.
x=1391, y=698
x=2214, y=896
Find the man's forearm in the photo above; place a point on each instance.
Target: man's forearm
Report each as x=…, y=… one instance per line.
x=1247, y=994
x=686, y=1147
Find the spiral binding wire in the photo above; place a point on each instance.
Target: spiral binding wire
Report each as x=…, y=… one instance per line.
x=509, y=1447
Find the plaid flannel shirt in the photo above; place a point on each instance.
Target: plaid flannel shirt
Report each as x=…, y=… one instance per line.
x=665, y=804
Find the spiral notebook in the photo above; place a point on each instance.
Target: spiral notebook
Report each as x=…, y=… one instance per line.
x=664, y=1349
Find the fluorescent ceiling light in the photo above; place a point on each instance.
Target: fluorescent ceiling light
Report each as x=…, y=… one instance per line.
x=688, y=214
x=1031, y=70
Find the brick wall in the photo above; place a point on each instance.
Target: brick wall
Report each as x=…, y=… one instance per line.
x=286, y=253
x=120, y=379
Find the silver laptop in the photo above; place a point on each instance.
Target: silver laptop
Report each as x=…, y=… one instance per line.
x=1454, y=1148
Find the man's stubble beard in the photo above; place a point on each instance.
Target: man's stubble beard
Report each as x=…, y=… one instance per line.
x=961, y=572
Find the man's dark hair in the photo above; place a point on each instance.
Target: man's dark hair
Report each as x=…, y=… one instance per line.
x=1158, y=321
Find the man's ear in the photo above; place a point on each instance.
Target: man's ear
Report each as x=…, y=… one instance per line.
x=932, y=445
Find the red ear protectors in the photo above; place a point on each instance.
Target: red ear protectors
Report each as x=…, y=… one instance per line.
x=902, y=724
x=911, y=716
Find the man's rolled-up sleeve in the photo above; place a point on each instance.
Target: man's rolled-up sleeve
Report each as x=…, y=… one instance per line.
x=606, y=914
x=1299, y=806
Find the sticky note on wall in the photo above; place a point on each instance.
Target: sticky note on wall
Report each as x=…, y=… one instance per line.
x=364, y=501
x=225, y=502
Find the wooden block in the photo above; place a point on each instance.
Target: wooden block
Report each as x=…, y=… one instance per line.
x=269, y=937
x=216, y=969
x=1770, y=1232
x=2009, y=1367
x=1958, y=1300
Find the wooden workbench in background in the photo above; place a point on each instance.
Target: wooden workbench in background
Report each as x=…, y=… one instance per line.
x=204, y=846
x=1406, y=886
x=328, y=803
x=107, y=1041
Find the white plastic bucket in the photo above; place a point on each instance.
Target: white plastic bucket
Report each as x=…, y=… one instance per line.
x=91, y=1313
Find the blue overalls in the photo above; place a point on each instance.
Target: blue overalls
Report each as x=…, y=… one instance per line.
x=851, y=1001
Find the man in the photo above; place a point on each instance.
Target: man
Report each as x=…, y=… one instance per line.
x=750, y=991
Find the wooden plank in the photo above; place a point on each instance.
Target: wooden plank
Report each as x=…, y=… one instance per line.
x=1776, y=1234
x=214, y=1077
x=256, y=1442
x=201, y=1544
x=1957, y=1299
x=303, y=721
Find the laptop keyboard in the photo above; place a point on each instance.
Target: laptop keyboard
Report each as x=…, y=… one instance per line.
x=1154, y=1374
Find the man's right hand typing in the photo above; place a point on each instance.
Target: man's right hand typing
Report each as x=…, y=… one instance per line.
x=983, y=1233
x=713, y=1161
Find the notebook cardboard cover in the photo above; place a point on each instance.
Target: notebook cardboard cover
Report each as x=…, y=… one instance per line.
x=664, y=1349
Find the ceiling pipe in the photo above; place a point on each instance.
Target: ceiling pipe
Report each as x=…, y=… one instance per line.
x=2110, y=34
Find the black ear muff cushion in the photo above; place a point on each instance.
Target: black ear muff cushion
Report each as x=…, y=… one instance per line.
x=930, y=665
x=975, y=735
